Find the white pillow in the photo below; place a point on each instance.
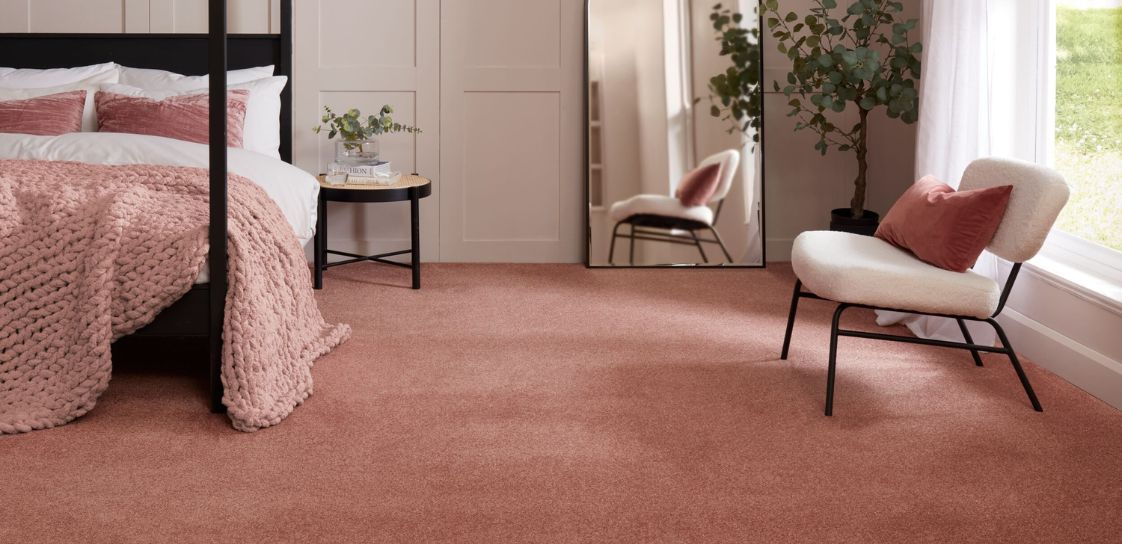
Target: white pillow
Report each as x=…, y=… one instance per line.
x=91, y=85
x=161, y=80
x=27, y=78
x=261, y=132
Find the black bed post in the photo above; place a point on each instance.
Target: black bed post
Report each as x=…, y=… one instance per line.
x=217, y=69
x=285, y=69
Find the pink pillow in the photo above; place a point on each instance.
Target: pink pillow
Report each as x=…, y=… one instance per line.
x=944, y=227
x=699, y=185
x=184, y=117
x=49, y=115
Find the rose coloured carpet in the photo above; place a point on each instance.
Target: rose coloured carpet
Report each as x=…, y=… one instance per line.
x=519, y=403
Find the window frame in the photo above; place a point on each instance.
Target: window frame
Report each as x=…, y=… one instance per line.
x=1063, y=250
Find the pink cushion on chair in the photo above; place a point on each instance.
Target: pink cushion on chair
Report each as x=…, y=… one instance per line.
x=184, y=117
x=699, y=185
x=944, y=227
x=49, y=115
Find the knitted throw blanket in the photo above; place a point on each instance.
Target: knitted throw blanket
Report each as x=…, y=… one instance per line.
x=91, y=253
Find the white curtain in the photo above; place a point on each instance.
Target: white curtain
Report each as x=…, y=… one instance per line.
x=984, y=90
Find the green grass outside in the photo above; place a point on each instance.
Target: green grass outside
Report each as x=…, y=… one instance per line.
x=1089, y=121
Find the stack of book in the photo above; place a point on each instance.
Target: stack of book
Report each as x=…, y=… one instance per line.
x=376, y=174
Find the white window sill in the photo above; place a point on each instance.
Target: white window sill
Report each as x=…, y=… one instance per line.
x=1084, y=271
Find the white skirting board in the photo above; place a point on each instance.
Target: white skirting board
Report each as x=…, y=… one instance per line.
x=1087, y=369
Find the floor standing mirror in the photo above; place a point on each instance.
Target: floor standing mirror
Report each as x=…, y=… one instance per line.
x=674, y=133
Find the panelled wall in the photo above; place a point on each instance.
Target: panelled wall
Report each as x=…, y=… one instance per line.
x=350, y=54
x=512, y=122
x=246, y=16
x=496, y=87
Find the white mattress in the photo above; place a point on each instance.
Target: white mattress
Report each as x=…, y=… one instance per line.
x=294, y=191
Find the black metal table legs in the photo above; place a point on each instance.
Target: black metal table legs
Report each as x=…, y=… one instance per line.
x=321, y=251
x=415, y=233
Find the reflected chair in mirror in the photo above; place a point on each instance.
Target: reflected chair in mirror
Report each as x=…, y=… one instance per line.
x=663, y=218
x=858, y=271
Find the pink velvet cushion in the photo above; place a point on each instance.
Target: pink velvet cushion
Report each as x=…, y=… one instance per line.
x=49, y=115
x=184, y=117
x=944, y=227
x=698, y=185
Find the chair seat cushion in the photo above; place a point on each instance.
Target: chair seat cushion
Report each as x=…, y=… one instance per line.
x=665, y=206
x=864, y=270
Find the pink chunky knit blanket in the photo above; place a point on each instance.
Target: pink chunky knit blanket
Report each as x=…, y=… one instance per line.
x=91, y=253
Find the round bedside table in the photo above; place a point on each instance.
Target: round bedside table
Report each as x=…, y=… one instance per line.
x=410, y=188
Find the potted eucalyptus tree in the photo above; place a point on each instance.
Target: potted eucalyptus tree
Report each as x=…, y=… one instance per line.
x=862, y=58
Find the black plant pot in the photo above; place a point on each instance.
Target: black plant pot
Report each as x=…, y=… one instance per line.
x=842, y=220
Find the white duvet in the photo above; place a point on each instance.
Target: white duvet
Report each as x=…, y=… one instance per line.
x=294, y=190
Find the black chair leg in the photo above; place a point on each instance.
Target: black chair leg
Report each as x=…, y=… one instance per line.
x=612, y=250
x=831, y=370
x=631, y=254
x=1016, y=364
x=969, y=340
x=791, y=319
x=721, y=242
x=700, y=249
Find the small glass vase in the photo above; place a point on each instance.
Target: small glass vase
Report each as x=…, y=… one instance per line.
x=357, y=152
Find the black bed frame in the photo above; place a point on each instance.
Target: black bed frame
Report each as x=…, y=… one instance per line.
x=201, y=312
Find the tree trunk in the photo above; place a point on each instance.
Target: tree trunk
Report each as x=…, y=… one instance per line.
x=857, y=205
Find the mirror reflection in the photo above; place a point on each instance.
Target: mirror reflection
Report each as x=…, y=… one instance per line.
x=675, y=154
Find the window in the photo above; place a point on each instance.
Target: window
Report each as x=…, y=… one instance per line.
x=1088, y=119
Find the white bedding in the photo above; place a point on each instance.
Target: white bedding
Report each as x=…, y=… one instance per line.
x=294, y=190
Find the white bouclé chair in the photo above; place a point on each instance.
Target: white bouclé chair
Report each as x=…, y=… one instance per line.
x=866, y=272
x=661, y=218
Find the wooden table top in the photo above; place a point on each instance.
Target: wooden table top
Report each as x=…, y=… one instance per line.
x=406, y=181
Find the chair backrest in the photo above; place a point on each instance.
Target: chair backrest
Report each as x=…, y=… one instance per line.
x=729, y=161
x=1039, y=193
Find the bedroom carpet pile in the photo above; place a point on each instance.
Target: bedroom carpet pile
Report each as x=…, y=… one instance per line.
x=93, y=253
x=555, y=404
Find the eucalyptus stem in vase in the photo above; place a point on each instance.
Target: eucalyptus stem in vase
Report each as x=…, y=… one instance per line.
x=358, y=135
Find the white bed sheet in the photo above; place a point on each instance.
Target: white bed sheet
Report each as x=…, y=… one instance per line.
x=295, y=191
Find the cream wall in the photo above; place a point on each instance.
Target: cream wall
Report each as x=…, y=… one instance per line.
x=500, y=101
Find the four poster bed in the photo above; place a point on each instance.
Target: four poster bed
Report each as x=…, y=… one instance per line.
x=202, y=311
